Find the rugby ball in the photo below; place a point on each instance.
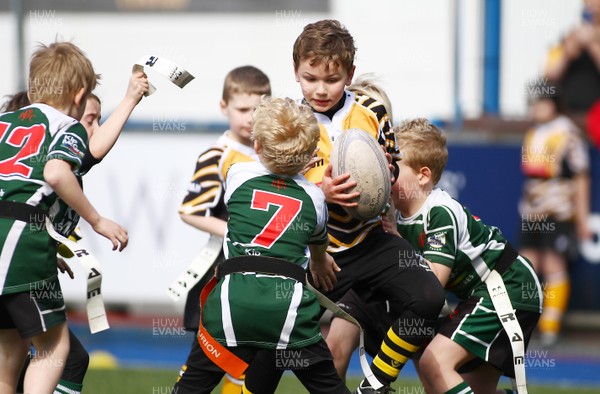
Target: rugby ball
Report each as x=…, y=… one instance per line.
x=358, y=153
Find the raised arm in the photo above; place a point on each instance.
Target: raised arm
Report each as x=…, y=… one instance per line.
x=106, y=135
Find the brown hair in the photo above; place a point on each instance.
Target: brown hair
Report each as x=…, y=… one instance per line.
x=246, y=79
x=57, y=72
x=422, y=145
x=325, y=42
x=287, y=132
x=16, y=101
x=94, y=97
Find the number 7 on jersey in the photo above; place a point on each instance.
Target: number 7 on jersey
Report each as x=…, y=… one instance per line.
x=287, y=210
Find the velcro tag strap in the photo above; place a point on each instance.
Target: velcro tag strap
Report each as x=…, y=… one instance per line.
x=507, y=315
x=197, y=268
x=216, y=352
x=173, y=72
x=507, y=258
x=22, y=212
x=263, y=265
x=93, y=270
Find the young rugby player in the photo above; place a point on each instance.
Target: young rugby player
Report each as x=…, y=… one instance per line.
x=102, y=139
x=376, y=265
x=473, y=261
x=257, y=300
x=556, y=195
x=42, y=148
x=375, y=318
x=203, y=207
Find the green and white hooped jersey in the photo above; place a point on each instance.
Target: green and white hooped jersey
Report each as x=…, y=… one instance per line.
x=269, y=216
x=29, y=137
x=445, y=232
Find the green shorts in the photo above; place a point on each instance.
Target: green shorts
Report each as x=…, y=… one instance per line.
x=475, y=326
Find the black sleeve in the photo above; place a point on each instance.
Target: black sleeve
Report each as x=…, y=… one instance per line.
x=88, y=161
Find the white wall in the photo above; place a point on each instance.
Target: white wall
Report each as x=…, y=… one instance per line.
x=141, y=184
x=407, y=43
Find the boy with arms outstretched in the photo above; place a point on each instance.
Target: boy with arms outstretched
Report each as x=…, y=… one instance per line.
x=203, y=207
x=257, y=300
x=41, y=151
x=101, y=140
x=471, y=260
x=374, y=264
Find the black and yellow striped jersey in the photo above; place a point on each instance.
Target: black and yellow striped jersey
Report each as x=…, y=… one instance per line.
x=357, y=112
x=205, y=191
x=553, y=153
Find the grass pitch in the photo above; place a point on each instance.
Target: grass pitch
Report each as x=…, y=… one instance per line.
x=157, y=381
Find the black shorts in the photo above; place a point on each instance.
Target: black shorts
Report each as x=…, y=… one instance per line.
x=313, y=365
x=375, y=319
x=33, y=312
x=384, y=267
x=549, y=235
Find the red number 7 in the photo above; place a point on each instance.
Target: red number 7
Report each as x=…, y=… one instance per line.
x=288, y=209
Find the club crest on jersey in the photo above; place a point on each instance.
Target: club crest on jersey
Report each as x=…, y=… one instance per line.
x=279, y=183
x=437, y=240
x=72, y=145
x=27, y=115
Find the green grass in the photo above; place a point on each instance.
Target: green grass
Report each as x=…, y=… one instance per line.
x=156, y=381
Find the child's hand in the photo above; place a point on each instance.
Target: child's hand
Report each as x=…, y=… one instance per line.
x=314, y=160
x=336, y=189
x=390, y=166
x=113, y=231
x=389, y=222
x=323, y=272
x=138, y=86
x=63, y=267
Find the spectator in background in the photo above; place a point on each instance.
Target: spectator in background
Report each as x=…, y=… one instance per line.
x=555, y=204
x=574, y=64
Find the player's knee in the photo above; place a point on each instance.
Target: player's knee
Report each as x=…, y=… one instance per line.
x=342, y=339
x=338, y=349
x=429, y=365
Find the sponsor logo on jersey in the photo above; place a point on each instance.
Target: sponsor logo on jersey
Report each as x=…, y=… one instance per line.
x=194, y=188
x=437, y=240
x=72, y=145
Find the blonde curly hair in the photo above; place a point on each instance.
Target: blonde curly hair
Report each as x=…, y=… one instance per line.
x=287, y=134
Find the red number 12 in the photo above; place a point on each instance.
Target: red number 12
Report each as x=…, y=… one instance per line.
x=30, y=140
